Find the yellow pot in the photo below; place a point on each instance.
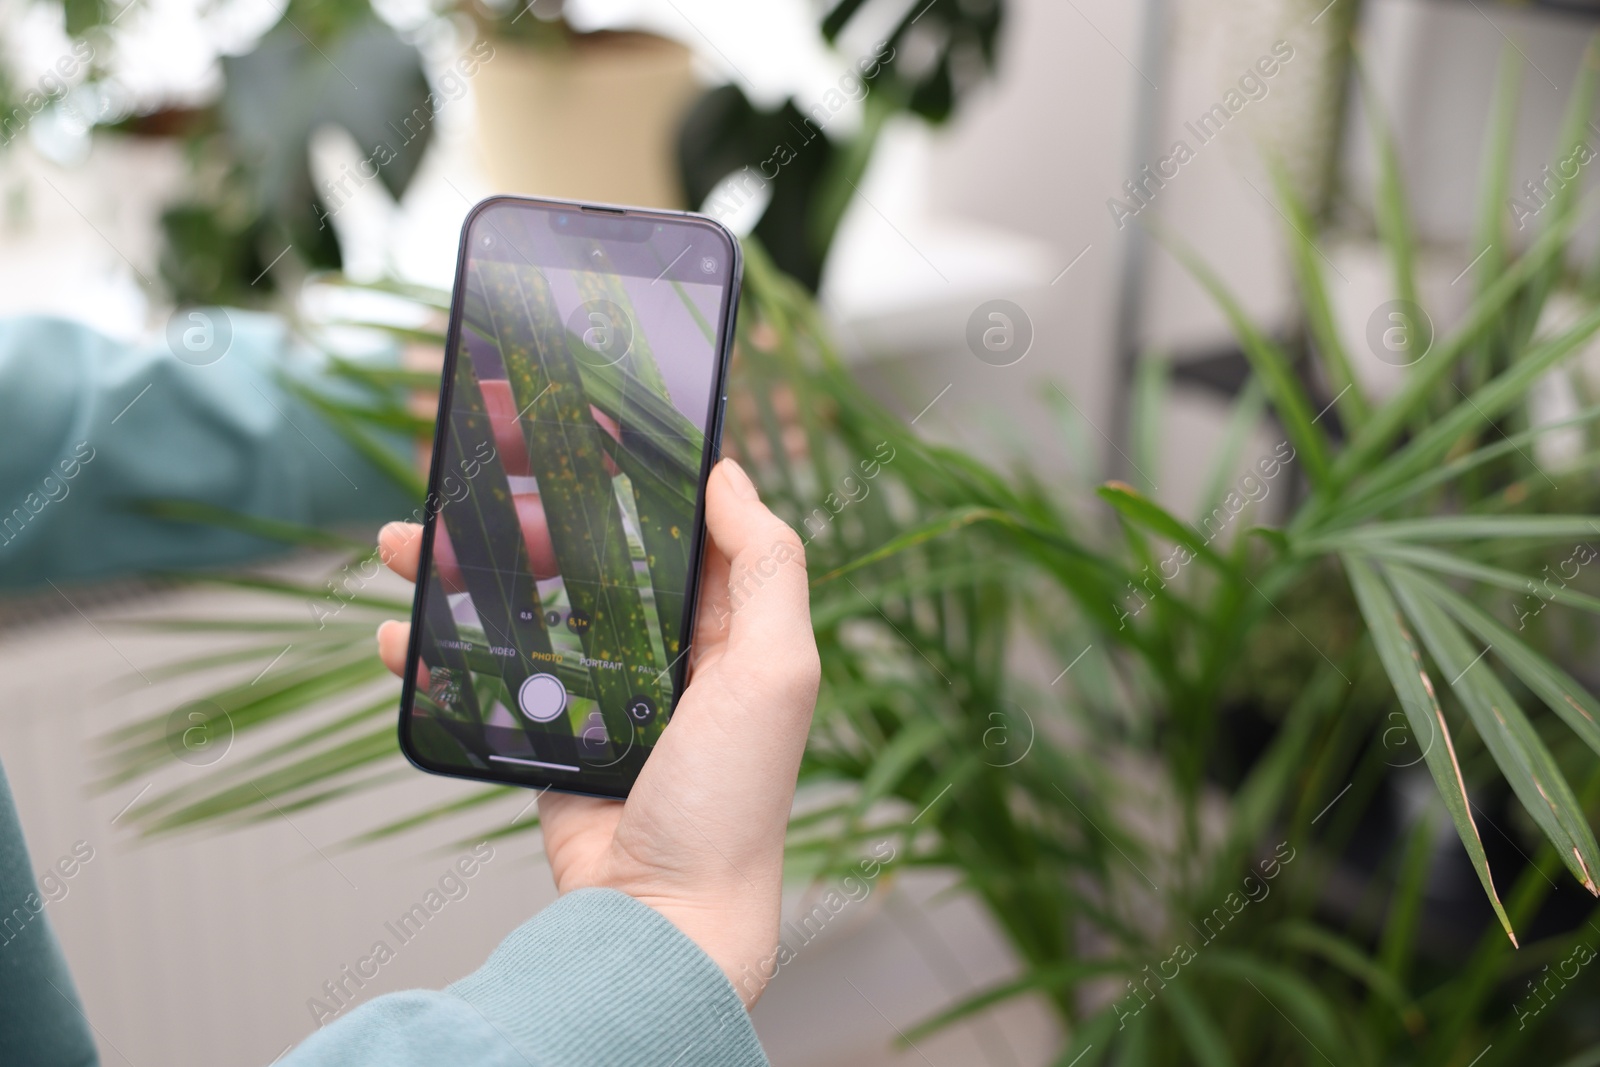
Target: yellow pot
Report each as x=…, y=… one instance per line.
x=594, y=120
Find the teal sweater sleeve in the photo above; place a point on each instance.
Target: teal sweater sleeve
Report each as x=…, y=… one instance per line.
x=91, y=428
x=597, y=978
x=41, y=1020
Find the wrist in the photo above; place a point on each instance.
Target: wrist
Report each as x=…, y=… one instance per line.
x=745, y=951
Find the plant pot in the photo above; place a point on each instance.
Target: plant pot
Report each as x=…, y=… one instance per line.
x=594, y=119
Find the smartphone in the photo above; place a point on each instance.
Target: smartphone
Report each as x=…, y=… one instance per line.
x=580, y=413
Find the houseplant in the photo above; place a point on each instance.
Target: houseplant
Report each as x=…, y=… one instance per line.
x=806, y=165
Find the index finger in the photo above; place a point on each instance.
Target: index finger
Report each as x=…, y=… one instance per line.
x=768, y=599
x=400, y=548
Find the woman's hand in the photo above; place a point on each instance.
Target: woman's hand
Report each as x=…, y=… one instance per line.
x=700, y=838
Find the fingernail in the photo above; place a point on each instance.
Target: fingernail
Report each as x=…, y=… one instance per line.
x=738, y=480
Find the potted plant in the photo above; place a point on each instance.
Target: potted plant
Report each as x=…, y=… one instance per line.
x=585, y=115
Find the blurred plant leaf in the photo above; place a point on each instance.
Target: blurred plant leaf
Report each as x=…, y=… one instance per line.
x=1512, y=741
x=1403, y=663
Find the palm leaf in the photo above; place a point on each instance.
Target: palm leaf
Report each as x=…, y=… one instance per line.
x=1512, y=740
x=1372, y=498
x=1152, y=516
x=1201, y=1035
x=1270, y=363
x=1500, y=395
x=1297, y=998
x=1562, y=693
x=1403, y=663
x=1307, y=261
x=1428, y=374
x=1496, y=167
x=1447, y=563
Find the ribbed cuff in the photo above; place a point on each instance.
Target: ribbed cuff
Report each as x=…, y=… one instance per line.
x=599, y=978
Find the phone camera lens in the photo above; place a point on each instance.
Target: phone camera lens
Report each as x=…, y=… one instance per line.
x=708, y=265
x=561, y=220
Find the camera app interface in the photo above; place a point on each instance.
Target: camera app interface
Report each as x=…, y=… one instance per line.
x=583, y=388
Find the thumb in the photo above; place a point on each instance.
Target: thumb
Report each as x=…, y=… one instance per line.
x=768, y=595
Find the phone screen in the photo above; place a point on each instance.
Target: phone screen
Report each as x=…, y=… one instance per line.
x=578, y=420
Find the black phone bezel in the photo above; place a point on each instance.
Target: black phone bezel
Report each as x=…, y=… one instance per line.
x=532, y=778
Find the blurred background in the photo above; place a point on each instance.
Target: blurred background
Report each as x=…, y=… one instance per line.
x=979, y=229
